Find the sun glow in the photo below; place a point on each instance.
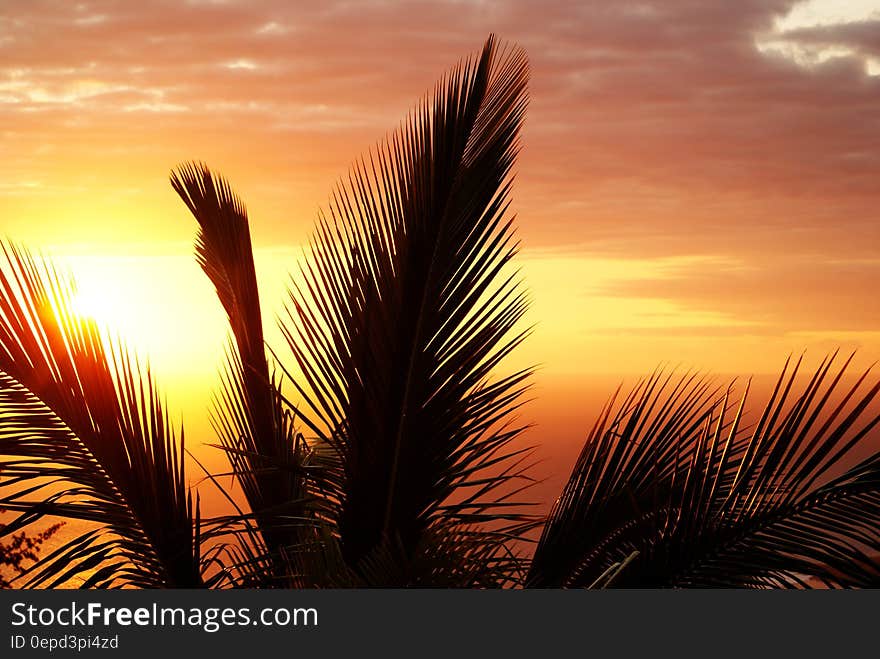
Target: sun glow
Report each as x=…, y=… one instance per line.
x=95, y=305
x=159, y=306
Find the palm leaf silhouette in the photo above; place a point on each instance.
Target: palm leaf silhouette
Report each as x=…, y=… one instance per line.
x=404, y=312
x=85, y=436
x=706, y=502
x=270, y=459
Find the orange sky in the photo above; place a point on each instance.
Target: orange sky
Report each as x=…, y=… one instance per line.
x=698, y=183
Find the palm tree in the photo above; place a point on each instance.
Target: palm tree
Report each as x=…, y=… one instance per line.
x=85, y=436
x=677, y=485
x=402, y=317
x=388, y=451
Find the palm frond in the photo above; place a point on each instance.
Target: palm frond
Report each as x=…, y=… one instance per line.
x=85, y=436
x=783, y=503
x=631, y=458
x=270, y=459
x=403, y=313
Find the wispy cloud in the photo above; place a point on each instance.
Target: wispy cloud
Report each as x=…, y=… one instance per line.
x=739, y=130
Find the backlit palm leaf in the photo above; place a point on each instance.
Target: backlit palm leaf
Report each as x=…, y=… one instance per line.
x=269, y=457
x=404, y=311
x=84, y=436
x=707, y=502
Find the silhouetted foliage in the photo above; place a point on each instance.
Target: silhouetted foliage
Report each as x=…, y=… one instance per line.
x=707, y=501
x=22, y=548
x=401, y=463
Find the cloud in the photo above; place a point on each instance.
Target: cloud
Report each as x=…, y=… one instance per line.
x=656, y=128
x=272, y=29
x=241, y=64
x=813, y=44
x=787, y=293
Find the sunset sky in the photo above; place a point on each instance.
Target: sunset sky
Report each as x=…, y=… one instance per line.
x=698, y=183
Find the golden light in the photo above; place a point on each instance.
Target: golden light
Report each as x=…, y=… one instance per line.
x=94, y=304
x=159, y=305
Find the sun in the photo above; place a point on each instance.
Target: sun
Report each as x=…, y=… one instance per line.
x=91, y=303
x=161, y=307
